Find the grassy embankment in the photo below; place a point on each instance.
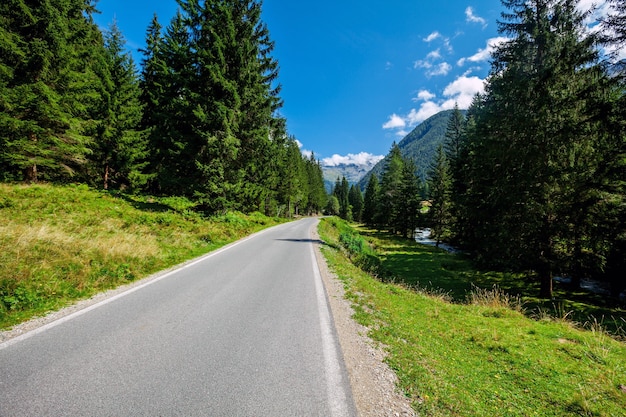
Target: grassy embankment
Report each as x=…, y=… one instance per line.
x=61, y=244
x=464, y=352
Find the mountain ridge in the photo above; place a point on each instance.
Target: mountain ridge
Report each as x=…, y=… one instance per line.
x=420, y=145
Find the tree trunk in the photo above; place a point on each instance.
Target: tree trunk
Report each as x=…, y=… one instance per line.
x=30, y=173
x=106, y=176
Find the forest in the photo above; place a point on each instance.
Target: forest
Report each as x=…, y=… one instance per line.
x=533, y=177
x=199, y=118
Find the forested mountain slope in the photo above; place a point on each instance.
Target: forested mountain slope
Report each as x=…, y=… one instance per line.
x=420, y=145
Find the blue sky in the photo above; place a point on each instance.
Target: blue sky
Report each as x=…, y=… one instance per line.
x=358, y=75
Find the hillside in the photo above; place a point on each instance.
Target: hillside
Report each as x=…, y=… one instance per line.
x=59, y=244
x=419, y=145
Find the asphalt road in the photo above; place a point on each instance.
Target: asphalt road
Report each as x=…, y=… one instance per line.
x=246, y=331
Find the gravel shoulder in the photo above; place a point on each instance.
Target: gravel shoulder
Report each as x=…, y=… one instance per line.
x=373, y=382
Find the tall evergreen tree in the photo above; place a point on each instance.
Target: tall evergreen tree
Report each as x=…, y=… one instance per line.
x=355, y=199
x=408, y=201
x=371, y=201
x=119, y=149
x=342, y=191
x=440, y=180
x=531, y=148
x=391, y=189
x=454, y=135
x=40, y=115
x=169, y=119
x=317, y=198
x=294, y=180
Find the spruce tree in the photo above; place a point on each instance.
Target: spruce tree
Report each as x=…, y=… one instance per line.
x=355, y=199
x=167, y=78
x=40, y=122
x=317, y=198
x=408, y=201
x=119, y=148
x=391, y=189
x=440, y=196
x=531, y=145
x=371, y=201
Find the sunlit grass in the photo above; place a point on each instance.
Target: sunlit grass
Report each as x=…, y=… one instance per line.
x=59, y=244
x=478, y=355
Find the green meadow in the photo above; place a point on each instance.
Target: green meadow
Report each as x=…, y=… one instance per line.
x=474, y=343
x=59, y=244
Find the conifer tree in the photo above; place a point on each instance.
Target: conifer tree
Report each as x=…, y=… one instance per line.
x=531, y=148
x=391, y=189
x=355, y=199
x=167, y=77
x=371, y=201
x=40, y=123
x=119, y=148
x=317, y=198
x=408, y=201
x=440, y=196
x=454, y=135
x=294, y=183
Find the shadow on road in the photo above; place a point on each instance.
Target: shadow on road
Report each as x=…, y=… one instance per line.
x=320, y=242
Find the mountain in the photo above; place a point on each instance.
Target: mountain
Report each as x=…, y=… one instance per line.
x=353, y=173
x=420, y=145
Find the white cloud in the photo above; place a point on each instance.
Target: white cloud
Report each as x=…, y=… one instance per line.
x=422, y=64
x=424, y=95
x=362, y=158
x=434, y=55
x=394, y=122
x=485, y=53
x=432, y=37
x=433, y=68
x=461, y=91
x=440, y=69
x=472, y=18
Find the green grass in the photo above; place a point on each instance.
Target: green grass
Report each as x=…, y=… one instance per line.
x=430, y=268
x=61, y=244
x=479, y=357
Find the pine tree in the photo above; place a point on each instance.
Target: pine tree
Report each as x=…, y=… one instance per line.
x=40, y=122
x=355, y=199
x=531, y=146
x=317, y=198
x=454, y=135
x=294, y=180
x=167, y=77
x=371, y=201
x=391, y=189
x=341, y=190
x=119, y=149
x=615, y=25
x=408, y=203
x=440, y=196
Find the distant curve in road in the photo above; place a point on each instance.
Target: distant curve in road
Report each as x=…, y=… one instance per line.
x=244, y=331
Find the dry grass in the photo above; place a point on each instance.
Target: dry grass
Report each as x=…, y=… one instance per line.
x=58, y=244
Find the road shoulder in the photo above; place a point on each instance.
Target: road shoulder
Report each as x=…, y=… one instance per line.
x=373, y=382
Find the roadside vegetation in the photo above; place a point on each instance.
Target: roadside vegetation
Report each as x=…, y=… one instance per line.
x=59, y=244
x=467, y=343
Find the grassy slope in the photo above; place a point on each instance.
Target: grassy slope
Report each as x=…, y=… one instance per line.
x=60, y=244
x=480, y=358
